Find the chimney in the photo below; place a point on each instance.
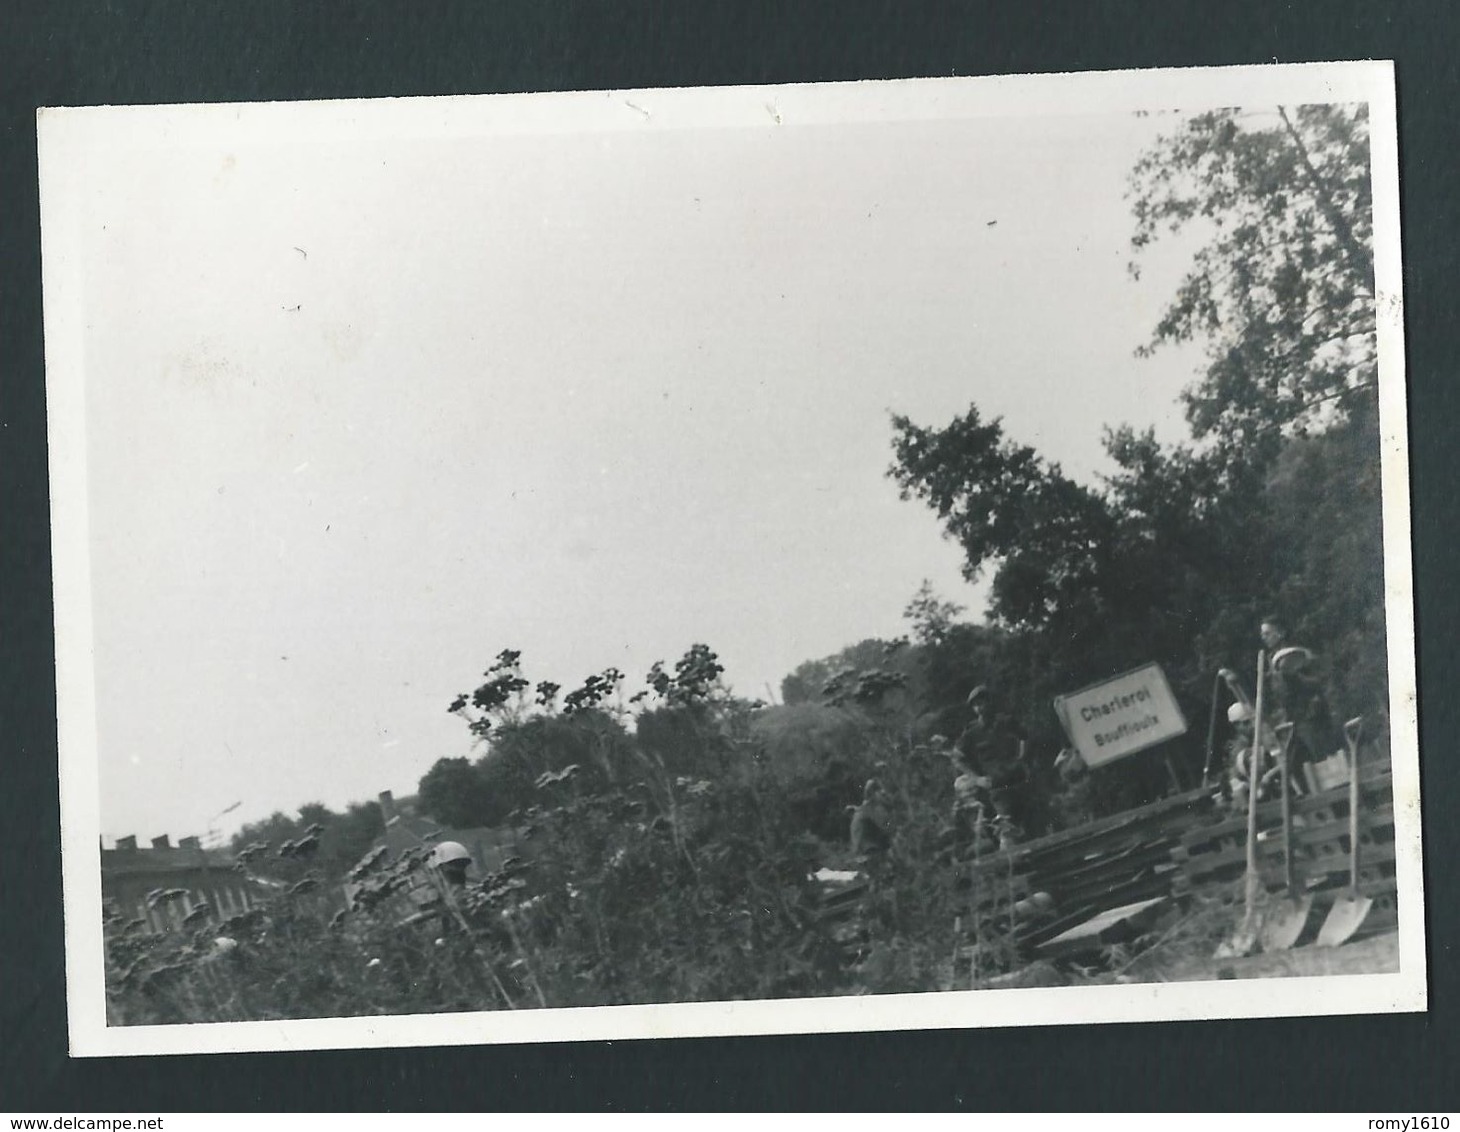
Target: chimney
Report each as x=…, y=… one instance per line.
x=387, y=806
x=189, y=843
x=127, y=843
x=162, y=842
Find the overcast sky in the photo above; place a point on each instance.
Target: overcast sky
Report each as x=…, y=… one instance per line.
x=362, y=414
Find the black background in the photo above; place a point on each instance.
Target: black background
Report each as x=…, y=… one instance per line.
x=134, y=52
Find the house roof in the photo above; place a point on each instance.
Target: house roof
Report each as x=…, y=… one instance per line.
x=120, y=862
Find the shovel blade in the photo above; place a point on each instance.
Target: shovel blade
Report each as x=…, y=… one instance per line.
x=1285, y=923
x=1344, y=919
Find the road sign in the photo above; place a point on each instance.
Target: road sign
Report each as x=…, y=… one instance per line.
x=1120, y=716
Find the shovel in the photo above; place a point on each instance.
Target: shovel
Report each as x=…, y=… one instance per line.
x=1286, y=918
x=1348, y=912
x=1243, y=940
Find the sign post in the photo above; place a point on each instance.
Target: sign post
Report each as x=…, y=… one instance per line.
x=1121, y=715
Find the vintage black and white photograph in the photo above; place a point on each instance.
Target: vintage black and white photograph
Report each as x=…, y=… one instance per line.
x=859, y=556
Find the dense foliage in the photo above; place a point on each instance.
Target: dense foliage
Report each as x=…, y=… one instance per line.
x=668, y=840
x=333, y=841
x=658, y=880
x=1273, y=507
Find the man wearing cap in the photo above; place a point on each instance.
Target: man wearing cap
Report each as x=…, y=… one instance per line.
x=1297, y=694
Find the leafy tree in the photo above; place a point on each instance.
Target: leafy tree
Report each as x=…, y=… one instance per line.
x=340, y=839
x=1282, y=293
x=1327, y=508
x=351, y=834
x=809, y=682
x=453, y=792
x=522, y=752
x=930, y=616
x=804, y=683
x=1282, y=290
x=1177, y=553
x=272, y=830
x=1002, y=502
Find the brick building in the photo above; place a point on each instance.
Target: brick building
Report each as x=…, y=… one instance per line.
x=129, y=873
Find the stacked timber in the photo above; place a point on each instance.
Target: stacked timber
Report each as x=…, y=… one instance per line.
x=1086, y=871
x=1211, y=857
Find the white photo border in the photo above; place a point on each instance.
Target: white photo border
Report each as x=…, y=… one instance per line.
x=67, y=135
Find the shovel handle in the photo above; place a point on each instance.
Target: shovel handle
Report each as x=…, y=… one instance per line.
x=1285, y=733
x=1352, y=730
x=1254, y=784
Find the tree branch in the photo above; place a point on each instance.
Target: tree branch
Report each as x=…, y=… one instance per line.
x=1362, y=263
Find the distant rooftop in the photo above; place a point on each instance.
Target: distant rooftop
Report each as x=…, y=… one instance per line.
x=188, y=854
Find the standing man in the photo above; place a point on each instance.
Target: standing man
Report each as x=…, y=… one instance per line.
x=1297, y=692
x=993, y=747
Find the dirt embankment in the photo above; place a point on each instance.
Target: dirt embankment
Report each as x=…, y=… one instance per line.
x=1378, y=955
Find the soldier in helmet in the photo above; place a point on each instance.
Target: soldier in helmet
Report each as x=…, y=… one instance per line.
x=1239, y=759
x=446, y=870
x=869, y=834
x=450, y=861
x=993, y=748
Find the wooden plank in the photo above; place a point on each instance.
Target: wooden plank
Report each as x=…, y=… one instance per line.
x=1098, y=930
x=1174, y=845
x=1270, y=817
x=1135, y=857
x=1372, y=830
x=1193, y=801
x=1217, y=867
x=1071, y=915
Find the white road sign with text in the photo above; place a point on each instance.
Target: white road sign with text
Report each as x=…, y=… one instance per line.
x=1120, y=716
